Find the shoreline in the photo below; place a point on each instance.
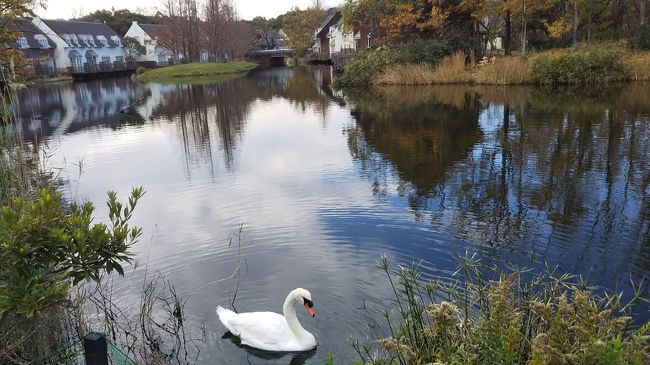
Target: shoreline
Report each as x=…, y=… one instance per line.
x=187, y=73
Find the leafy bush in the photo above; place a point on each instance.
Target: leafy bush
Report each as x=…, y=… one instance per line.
x=516, y=318
x=46, y=247
x=425, y=51
x=364, y=65
x=582, y=65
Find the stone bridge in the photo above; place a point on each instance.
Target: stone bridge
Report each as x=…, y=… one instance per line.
x=271, y=57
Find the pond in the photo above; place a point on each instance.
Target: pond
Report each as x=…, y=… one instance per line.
x=311, y=186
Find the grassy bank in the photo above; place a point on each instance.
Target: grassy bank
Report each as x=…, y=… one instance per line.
x=585, y=64
x=200, y=71
x=483, y=315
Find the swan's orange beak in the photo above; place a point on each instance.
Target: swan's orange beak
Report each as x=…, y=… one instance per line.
x=310, y=310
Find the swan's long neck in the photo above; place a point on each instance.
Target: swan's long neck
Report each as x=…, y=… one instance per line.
x=292, y=320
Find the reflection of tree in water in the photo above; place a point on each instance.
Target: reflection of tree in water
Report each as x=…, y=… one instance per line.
x=204, y=114
x=565, y=175
x=215, y=114
x=421, y=140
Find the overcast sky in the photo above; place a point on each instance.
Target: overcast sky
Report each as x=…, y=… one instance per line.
x=248, y=9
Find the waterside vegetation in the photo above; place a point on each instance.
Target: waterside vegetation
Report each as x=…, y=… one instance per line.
x=187, y=72
x=487, y=315
x=583, y=64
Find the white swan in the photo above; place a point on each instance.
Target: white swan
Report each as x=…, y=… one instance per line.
x=271, y=331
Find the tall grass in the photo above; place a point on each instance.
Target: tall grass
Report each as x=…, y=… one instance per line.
x=457, y=69
x=20, y=168
x=638, y=65
x=488, y=316
x=603, y=63
x=451, y=70
x=504, y=71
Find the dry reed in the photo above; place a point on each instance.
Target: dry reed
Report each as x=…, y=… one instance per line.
x=451, y=70
x=456, y=70
x=638, y=65
x=504, y=71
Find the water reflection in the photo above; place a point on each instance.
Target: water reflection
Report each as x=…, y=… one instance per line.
x=324, y=183
x=563, y=175
x=298, y=358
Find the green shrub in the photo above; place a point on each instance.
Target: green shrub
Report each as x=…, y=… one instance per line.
x=364, y=65
x=582, y=65
x=482, y=315
x=46, y=247
x=425, y=51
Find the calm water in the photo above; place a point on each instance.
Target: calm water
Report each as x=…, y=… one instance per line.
x=323, y=183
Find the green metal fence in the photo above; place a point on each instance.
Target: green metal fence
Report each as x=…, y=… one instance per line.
x=74, y=355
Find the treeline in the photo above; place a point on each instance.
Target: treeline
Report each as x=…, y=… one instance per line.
x=190, y=26
x=520, y=24
x=214, y=26
x=120, y=20
x=211, y=25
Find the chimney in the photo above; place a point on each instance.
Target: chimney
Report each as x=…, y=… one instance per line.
x=135, y=22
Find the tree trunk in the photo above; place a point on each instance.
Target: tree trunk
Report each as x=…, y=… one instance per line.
x=523, y=27
x=575, y=23
x=508, y=34
x=642, y=12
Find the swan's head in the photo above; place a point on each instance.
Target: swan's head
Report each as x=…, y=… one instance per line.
x=303, y=296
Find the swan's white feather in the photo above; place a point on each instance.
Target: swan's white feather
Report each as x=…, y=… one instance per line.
x=263, y=330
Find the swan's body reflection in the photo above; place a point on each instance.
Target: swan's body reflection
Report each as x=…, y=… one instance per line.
x=297, y=358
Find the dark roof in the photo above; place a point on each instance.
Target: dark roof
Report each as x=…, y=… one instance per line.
x=152, y=29
x=28, y=30
x=324, y=28
x=61, y=27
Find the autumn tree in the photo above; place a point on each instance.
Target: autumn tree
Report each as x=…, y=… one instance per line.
x=11, y=59
x=410, y=19
x=299, y=26
x=365, y=15
x=574, y=15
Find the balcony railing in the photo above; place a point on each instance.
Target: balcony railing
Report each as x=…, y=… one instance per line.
x=41, y=70
x=91, y=68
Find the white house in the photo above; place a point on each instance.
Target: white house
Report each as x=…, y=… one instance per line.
x=340, y=40
x=81, y=44
x=146, y=35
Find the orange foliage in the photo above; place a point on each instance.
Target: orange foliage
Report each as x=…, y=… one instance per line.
x=407, y=19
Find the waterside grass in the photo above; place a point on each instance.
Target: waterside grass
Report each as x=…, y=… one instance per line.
x=593, y=64
x=485, y=315
x=199, y=71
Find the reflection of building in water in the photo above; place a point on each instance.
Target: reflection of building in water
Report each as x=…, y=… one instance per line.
x=208, y=117
x=46, y=110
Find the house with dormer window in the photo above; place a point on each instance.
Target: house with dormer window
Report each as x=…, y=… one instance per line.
x=83, y=47
x=37, y=48
x=149, y=36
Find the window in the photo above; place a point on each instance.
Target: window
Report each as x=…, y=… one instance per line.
x=75, y=40
x=91, y=40
x=76, y=62
x=103, y=40
x=82, y=38
x=106, y=59
x=67, y=39
x=42, y=41
x=116, y=40
x=22, y=42
x=119, y=59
